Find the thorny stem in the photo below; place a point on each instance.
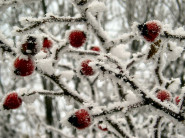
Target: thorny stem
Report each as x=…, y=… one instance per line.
x=66, y=91
x=168, y=35
x=130, y=64
x=117, y=109
x=147, y=99
x=121, y=40
x=117, y=128
x=60, y=49
x=50, y=19
x=157, y=71
x=45, y=93
x=127, y=117
x=7, y=48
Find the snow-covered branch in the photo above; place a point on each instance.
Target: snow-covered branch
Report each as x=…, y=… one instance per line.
x=35, y=23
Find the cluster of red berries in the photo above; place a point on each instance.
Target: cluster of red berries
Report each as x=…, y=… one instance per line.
x=26, y=66
x=12, y=101
x=81, y=119
x=150, y=30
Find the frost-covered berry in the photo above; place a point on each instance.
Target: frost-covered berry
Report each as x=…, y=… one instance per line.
x=30, y=46
x=163, y=95
x=86, y=69
x=24, y=67
x=47, y=43
x=150, y=30
x=95, y=48
x=12, y=101
x=80, y=119
x=77, y=38
x=102, y=127
x=177, y=100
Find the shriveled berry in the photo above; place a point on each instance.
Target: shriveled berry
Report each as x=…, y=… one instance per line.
x=163, y=95
x=177, y=100
x=150, y=30
x=86, y=69
x=47, y=43
x=30, y=46
x=12, y=101
x=95, y=48
x=77, y=38
x=24, y=67
x=81, y=119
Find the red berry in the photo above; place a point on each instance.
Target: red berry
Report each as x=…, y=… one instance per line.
x=86, y=69
x=47, y=43
x=102, y=128
x=163, y=95
x=81, y=119
x=95, y=48
x=12, y=101
x=24, y=67
x=30, y=46
x=177, y=100
x=150, y=30
x=77, y=38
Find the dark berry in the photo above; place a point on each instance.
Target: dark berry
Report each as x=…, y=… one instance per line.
x=81, y=119
x=150, y=30
x=86, y=69
x=30, y=46
x=163, y=95
x=24, y=67
x=12, y=101
x=77, y=38
x=47, y=43
x=95, y=48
